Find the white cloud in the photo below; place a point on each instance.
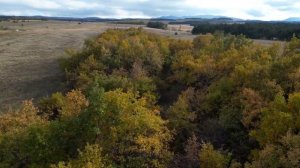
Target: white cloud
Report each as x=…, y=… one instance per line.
x=241, y=8
x=121, y=13
x=246, y=9
x=77, y=4
x=39, y=4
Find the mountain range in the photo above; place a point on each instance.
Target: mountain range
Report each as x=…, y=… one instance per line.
x=293, y=19
x=170, y=17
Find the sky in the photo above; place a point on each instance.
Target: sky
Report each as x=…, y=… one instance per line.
x=244, y=9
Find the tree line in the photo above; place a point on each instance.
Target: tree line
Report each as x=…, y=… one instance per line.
x=157, y=25
x=253, y=30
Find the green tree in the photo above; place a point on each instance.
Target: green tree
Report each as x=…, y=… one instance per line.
x=91, y=157
x=209, y=157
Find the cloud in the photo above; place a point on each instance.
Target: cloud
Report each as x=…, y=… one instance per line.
x=255, y=13
x=246, y=9
x=31, y=4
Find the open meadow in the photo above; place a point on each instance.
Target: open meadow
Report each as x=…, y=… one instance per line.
x=29, y=53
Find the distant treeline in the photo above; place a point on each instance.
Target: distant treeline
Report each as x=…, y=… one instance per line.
x=198, y=21
x=5, y=18
x=265, y=30
x=157, y=25
x=131, y=22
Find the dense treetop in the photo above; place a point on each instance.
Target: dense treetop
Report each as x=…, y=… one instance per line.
x=136, y=99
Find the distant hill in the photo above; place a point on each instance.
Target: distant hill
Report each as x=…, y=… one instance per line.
x=293, y=19
x=169, y=17
x=88, y=19
x=192, y=17
x=214, y=19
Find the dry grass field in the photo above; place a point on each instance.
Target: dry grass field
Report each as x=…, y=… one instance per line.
x=29, y=53
x=186, y=28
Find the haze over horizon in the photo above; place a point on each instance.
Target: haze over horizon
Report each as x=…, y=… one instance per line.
x=246, y=9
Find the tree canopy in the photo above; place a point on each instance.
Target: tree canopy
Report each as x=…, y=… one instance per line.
x=137, y=99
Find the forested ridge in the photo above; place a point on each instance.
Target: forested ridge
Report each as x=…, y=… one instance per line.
x=137, y=99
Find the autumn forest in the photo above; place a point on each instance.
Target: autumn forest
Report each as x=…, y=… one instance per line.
x=136, y=99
